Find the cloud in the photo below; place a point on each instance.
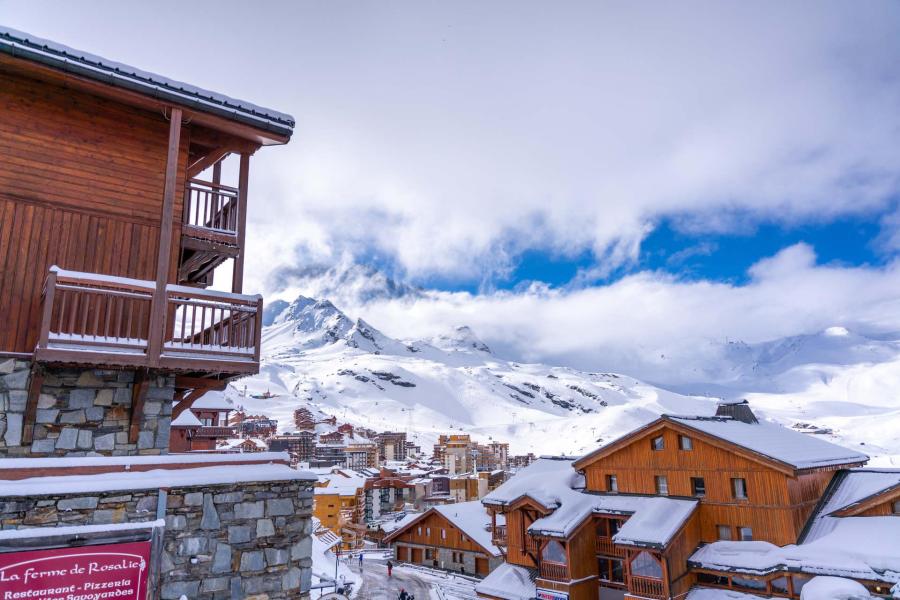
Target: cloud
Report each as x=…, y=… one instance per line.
x=654, y=325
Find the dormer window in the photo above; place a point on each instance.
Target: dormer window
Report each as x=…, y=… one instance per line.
x=657, y=444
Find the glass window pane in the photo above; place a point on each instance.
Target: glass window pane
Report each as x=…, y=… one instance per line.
x=644, y=565
x=662, y=485
x=657, y=443
x=554, y=552
x=724, y=532
x=698, y=486
x=746, y=534
x=685, y=443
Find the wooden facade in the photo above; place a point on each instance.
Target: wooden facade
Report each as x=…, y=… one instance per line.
x=772, y=501
x=100, y=180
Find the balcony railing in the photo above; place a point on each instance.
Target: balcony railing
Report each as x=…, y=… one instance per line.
x=532, y=544
x=606, y=547
x=215, y=431
x=211, y=210
x=99, y=319
x=554, y=571
x=498, y=537
x=647, y=587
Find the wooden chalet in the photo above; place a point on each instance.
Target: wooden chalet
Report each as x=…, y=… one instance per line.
x=455, y=537
x=114, y=218
x=632, y=519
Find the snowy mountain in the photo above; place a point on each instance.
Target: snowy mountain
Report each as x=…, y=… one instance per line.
x=316, y=356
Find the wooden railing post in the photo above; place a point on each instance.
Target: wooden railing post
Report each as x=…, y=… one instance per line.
x=49, y=295
x=257, y=326
x=237, y=277
x=158, y=308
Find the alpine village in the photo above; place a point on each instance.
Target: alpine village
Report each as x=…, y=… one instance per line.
x=129, y=470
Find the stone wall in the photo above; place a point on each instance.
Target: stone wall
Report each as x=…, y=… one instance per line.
x=244, y=540
x=82, y=412
x=444, y=558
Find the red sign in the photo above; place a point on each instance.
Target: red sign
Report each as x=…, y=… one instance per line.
x=112, y=571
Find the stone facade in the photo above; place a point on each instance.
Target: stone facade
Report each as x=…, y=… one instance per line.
x=245, y=540
x=82, y=412
x=444, y=558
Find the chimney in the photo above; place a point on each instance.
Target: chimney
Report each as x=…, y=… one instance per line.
x=739, y=411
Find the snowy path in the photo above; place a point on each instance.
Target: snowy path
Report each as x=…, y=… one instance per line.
x=424, y=584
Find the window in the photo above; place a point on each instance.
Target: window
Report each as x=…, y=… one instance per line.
x=645, y=565
x=429, y=553
x=710, y=579
x=739, y=488
x=685, y=443
x=895, y=507
x=428, y=531
x=613, y=528
x=780, y=584
x=611, y=570
x=612, y=483
x=554, y=552
x=698, y=487
x=745, y=534
x=418, y=531
x=748, y=584
x=657, y=443
x=443, y=534
x=724, y=532
x=662, y=485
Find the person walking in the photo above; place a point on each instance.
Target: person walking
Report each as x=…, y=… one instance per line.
x=360, y=561
x=390, y=567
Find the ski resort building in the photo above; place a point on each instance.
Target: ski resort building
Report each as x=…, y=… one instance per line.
x=687, y=503
x=113, y=220
x=454, y=537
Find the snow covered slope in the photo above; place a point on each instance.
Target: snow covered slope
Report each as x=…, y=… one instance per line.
x=316, y=356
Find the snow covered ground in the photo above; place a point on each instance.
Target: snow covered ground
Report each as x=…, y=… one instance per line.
x=315, y=356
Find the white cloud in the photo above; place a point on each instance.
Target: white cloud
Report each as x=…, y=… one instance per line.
x=653, y=325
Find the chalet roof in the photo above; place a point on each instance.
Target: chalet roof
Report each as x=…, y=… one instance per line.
x=847, y=489
x=186, y=419
x=554, y=484
x=470, y=518
x=509, y=582
x=856, y=547
x=213, y=400
x=800, y=450
x=58, y=56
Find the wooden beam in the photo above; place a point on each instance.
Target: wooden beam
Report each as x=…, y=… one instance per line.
x=158, y=308
x=237, y=278
x=210, y=160
x=188, y=401
x=34, y=393
x=193, y=383
x=138, y=395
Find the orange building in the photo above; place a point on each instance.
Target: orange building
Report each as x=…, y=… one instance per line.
x=651, y=514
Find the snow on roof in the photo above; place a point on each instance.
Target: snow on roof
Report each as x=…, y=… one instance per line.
x=156, y=478
x=186, y=419
x=77, y=530
x=213, y=400
x=389, y=526
x=800, y=450
x=509, y=582
x=856, y=547
x=700, y=593
x=473, y=520
x=849, y=487
x=57, y=462
x=653, y=520
x=235, y=442
x=344, y=482
x=833, y=588
x=58, y=56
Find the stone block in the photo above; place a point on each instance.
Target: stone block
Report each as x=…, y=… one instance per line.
x=291, y=579
x=302, y=548
x=279, y=507
x=105, y=442
x=193, y=499
x=46, y=401
x=161, y=393
x=238, y=534
x=16, y=400
x=45, y=446
x=121, y=437
x=252, y=561
x=191, y=546
x=229, y=497
x=16, y=380
x=78, y=503
x=94, y=413
x=210, y=518
x=276, y=556
x=222, y=559
x=173, y=590
x=46, y=415
x=104, y=397
x=176, y=521
x=81, y=398
x=248, y=510
x=112, y=515
x=264, y=528
x=123, y=397
x=147, y=504
x=72, y=417
x=89, y=379
x=67, y=439
x=145, y=440
x=152, y=408
x=85, y=438
x=41, y=516
x=7, y=366
x=214, y=584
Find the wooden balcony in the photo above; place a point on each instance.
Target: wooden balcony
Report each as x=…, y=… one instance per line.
x=554, y=571
x=606, y=547
x=647, y=587
x=210, y=229
x=498, y=536
x=215, y=431
x=532, y=544
x=106, y=321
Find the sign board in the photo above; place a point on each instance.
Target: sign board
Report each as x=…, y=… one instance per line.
x=110, y=571
x=543, y=594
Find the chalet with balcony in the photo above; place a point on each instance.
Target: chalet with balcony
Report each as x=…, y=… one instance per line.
x=455, y=537
x=666, y=507
x=203, y=426
x=115, y=217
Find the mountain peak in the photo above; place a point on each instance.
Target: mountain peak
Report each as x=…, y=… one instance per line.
x=461, y=338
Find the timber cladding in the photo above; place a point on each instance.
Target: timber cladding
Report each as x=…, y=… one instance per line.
x=81, y=186
x=435, y=530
